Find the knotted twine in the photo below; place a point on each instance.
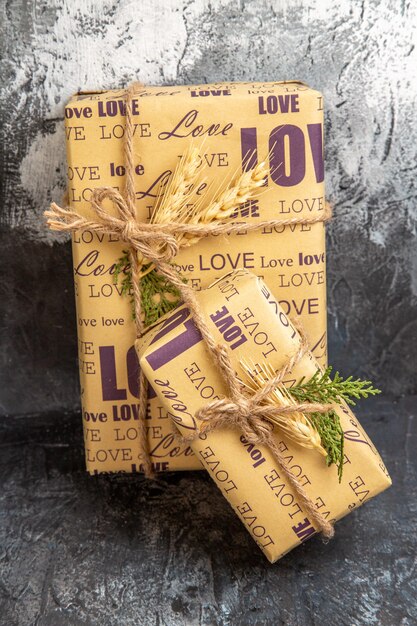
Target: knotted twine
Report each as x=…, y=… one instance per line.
x=158, y=244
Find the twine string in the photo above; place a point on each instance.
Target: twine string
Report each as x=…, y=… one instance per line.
x=158, y=244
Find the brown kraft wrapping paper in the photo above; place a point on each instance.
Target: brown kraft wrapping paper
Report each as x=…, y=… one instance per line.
x=242, y=313
x=227, y=122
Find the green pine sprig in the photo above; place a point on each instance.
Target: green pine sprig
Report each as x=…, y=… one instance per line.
x=325, y=389
x=158, y=295
x=332, y=438
x=322, y=388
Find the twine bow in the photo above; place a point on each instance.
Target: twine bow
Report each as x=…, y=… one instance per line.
x=158, y=244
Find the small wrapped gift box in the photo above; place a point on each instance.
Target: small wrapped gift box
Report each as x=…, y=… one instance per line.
x=241, y=313
x=234, y=126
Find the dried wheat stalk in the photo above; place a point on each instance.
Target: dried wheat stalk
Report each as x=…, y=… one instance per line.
x=179, y=203
x=295, y=425
x=170, y=205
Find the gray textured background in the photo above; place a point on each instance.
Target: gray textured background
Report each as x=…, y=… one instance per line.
x=77, y=551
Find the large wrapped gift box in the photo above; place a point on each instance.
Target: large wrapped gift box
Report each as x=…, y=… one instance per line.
x=235, y=126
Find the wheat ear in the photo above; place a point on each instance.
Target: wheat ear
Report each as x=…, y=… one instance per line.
x=295, y=425
x=170, y=207
x=227, y=201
